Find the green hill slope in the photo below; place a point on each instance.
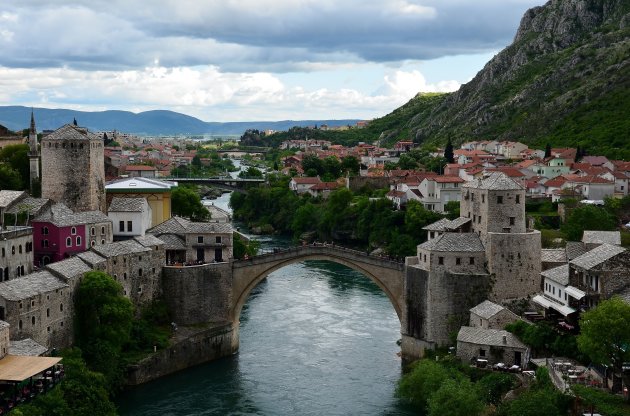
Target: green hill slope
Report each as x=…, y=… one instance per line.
x=564, y=80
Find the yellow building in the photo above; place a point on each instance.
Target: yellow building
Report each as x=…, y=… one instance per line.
x=156, y=192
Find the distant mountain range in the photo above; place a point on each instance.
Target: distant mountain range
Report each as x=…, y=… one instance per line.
x=159, y=122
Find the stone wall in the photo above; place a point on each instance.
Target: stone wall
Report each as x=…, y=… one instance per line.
x=498, y=321
x=198, y=294
x=193, y=349
x=504, y=354
x=139, y=273
x=438, y=303
x=514, y=260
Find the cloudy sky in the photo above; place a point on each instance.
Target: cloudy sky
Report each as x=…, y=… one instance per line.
x=237, y=60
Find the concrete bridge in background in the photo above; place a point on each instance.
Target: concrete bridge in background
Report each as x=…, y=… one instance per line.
x=227, y=183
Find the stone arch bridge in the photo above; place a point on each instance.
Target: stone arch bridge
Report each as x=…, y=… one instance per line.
x=387, y=274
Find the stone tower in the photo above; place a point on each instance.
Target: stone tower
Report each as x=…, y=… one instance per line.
x=73, y=168
x=496, y=207
x=33, y=153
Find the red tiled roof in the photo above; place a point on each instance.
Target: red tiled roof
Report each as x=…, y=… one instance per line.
x=447, y=179
x=306, y=180
x=592, y=179
x=324, y=186
x=139, y=167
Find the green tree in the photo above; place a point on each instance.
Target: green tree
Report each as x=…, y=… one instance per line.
x=306, y=218
x=196, y=161
x=332, y=168
x=10, y=179
x=406, y=161
x=448, y=152
x=350, y=164
x=243, y=247
x=452, y=209
x=313, y=165
x=546, y=402
x=251, y=172
x=494, y=386
x=605, y=333
x=455, y=398
x=186, y=203
x=587, y=217
x=16, y=156
x=103, y=323
x=424, y=379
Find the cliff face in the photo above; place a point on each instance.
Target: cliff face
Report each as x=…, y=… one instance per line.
x=564, y=79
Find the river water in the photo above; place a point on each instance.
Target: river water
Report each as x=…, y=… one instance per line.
x=316, y=338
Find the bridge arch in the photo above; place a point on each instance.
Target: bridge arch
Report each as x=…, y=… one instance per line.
x=247, y=274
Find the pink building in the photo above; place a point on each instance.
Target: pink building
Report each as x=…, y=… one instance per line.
x=61, y=233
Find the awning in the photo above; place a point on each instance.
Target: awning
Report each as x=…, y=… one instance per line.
x=564, y=310
x=542, y=301
x=19, y=368
x=574, y=292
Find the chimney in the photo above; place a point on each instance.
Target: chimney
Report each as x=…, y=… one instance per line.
x=504, y=339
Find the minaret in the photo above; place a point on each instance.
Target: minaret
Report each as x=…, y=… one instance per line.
x=33, y=154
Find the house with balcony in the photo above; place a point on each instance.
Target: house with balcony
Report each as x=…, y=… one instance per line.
x=301, y=185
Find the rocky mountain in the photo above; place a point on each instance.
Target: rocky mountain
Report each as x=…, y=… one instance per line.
x=158, y=122
x=564, y=80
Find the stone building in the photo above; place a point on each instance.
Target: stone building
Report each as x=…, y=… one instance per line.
x=16, y=252
x=489, y=315
x=493, y=345
x=600, y=273
x=448, y=278
x=38, y=306
x=496, y=205
x=137, y=265
x=73, y=164
x=195, y=242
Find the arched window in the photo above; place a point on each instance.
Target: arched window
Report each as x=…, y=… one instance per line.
x=45, y=230
x=102, y=241
x=93, y=231
x=33, y=320
x=20, y=248
x=103, y=230
x=68, y=242
x=73, y=230
x=61, y=307
x=78, y=241
x=93, y=243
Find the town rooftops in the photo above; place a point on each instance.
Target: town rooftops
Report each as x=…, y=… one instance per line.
x=69, y=268
x=486, y=309
x=134, y=168
x=139, y=184
x=324, y=186
x=70, y=132
x=601, y=237
x=496, y=181
x=174, y=225
x=455, y=242
x=575, y=249
x=558, y=274
x=597, y=256
x=30, y=204
x=491, y=337
x=208, y=227
x=30, y=285
x=148, y=240
x=119, y=248
x=9, y=197
x=553, y=255
x=62, y=216
x=447, y=225
x=173, y=242
x=26, y=347
x=91, y=258
x=306, y=180
x=178, y=225
x=128, y=205
x=446, y=179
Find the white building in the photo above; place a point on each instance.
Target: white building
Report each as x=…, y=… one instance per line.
x=437, y=191
x=130, y=217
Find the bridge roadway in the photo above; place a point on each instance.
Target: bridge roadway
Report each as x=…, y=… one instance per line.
x=388, y=274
